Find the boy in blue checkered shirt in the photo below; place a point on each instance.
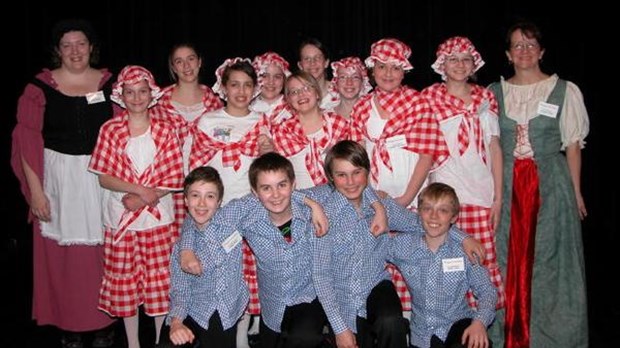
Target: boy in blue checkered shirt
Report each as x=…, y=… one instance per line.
x=279, y=228
x=207, y=305
x=439, y=274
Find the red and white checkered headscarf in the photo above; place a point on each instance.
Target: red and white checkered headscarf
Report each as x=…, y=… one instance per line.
x=132, y=74
x=261, y=63
x=351, y=65
x=219, y=72
x=454, y=45
x=392, y=51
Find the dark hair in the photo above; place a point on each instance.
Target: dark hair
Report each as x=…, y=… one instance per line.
x=318, y=44
x=67, y=25
x=529, y=29
x=204, y=174
x=173, y=50
x=437, y=190
x=239, y=66
x=349, y=151
x=270, y=162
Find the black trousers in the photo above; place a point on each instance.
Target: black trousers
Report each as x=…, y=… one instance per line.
x=453, y=340
x=301, y=327
x=384, y=326
x=215, y=336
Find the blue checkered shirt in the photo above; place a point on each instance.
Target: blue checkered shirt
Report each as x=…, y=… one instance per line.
x=220, y=287
x=284, y=270
x=350, y=261
x=438, y=297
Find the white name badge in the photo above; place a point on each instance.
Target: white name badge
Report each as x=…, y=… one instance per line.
x=549, y=110
x=397, y=141
x=95, y=97
x=456, y=264
x=231, y=242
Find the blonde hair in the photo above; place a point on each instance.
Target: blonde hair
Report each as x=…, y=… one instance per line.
x=438, y=190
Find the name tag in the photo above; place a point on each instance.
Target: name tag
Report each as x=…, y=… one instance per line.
x=95, y=97
x=549, y=110
x=456, y=264
x=231, y=242
x=397, y=141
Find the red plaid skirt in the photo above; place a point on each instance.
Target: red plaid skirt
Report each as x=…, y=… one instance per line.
x=476, y=221
x=136, y=272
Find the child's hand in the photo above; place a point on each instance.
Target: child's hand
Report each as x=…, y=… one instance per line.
x=265, y=144
x=319, y=219
x=179, y=333
x=474, y=250
x=475, y=336
x=379, y=222
x=149, y=196
x=346, y=339
x=132, y=202
x=190, y=263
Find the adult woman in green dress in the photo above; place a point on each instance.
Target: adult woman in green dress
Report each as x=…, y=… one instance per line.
x=543, y=122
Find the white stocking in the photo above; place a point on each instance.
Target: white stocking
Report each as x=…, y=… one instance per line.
x=131, y=330
x=242, y=331
x=255, y=325
x=159, y=322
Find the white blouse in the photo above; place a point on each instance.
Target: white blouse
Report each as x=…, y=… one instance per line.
x=521, y=104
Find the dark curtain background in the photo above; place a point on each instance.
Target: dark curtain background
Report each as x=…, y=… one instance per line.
x=142, y=32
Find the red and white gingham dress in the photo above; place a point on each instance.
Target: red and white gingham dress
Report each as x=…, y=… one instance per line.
x=136, y=263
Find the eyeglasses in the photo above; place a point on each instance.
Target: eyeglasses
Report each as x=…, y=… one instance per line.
x=297, y=92
x=520, y=46
x=452, y=60
x=317, y=58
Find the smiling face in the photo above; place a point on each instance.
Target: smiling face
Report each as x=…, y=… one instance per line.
x=185, y=64
x=524, y=52
x=313, y=61
x=349, y=83
x=437, y=215
x=137, y=96
x=301, y=95
x=74, y=50
x=458, y=67
x=388, y=76
x=272, y=82
x=349, y=180
x=239, y=89
x=202, y=199
x=274, y=190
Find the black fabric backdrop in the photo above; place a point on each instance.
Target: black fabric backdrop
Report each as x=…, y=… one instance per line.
x=142, y=32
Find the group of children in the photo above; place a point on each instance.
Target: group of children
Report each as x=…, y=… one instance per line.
x=266, y=160
x=300, y=282
x=307, y=282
